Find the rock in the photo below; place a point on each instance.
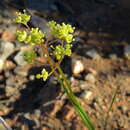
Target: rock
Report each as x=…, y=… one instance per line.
x=11, y=79
x=9, y=35
x=4, y=110
x=6, y=48
x=93, y=54
x=10, y=90
x=113, y=56
x=27, y=116
x=31, y=77
x=87, y=94
x=127, y=52
x=90, y=77
x=2, y=62
x=22, y=70
x=19, y=58
x=78, y=67
x=9, y=65
x=24, y=127
x=83, y=85
x=37, y=113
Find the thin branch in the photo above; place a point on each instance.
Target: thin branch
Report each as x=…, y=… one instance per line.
x=110, y=107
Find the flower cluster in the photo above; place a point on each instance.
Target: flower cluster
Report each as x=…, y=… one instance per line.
x=22, y=18
x=44, y=75
x=35, y=36
x=21, y=36
x=61, y=51
x=62, y=32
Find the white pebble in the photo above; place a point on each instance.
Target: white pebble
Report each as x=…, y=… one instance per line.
x=87, y=95
x=90, y=77
x=78, y=67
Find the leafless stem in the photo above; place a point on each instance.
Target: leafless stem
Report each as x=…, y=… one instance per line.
x=110, y=107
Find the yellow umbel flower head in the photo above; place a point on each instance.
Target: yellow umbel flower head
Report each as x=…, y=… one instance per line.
x=22, y=17
x=62, y=32
x=44, y=75
x=35, y=36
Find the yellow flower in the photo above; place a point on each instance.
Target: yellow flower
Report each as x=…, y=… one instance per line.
x=44, y=75
x=22, y=17
x=62, y=32
x=21, y=35
x=35, y=36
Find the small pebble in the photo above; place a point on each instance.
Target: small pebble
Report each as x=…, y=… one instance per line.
x=87, y=95
x=9, y=65
x=78, y=67
x=113, y=56
x=22, y=70
x=19, y=58
x=90, y=77
x=10, y=90
x=93, y=54
x=31, y=77
x=38, y=113
x=2, y=62
x=127, y=52
x=9, y=36
x=6, y=48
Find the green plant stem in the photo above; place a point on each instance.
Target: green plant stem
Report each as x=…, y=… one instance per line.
x=110, y=107
x=66, y=86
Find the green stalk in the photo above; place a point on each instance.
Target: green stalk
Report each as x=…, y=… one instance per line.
x=67, y=88
x=110, y=107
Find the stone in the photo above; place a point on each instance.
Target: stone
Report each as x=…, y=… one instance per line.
x=2, y=62
x=90, y=77
x=113, y=56
x=10, y=90
x=19, y=58
x=93, y=54
x=37, y=113
x=10, y=80
x=9, y=65
x=22, y=70
x=127, y=52
x=78, y=67
x=9, y=35
x=32, y=77
x=87, y=94
x=6, y=49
